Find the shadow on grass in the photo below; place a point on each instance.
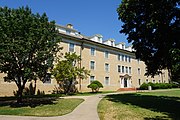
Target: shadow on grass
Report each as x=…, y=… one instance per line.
x=164, y=104
x=32, y=101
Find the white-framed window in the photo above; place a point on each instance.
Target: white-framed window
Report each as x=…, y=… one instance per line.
x=122, y=69
x=106, y=53
x=92, y=78
x=122, y=57
x=71, y=47
x=126, y=69
x=126, y=57
x=68, y=32
x=92, y=51
x=130, y=70
x=92, y=65
x=119, y=57
x=107, y=81
x=139, y=71
x=119, y=68
x=106, y=67
x=129, y=59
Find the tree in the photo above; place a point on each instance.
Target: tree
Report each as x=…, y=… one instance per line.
x=28, y=45
x=95, y=86
x=67, y=71
x=153, y=28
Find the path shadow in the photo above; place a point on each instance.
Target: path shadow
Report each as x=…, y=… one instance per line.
x=167, y=105
x=31, y=102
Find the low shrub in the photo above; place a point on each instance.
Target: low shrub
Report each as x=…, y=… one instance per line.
x=95, y=86
x=155, y=86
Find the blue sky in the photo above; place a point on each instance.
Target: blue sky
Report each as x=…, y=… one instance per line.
x=88, y=16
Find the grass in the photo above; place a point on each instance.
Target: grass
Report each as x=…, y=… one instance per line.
x=162, y=105
x=56, y=108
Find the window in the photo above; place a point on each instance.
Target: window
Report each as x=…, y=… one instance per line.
x=147, y=80
x=154, y=81
x=139, y=71
x=129, y=70
x=106, y=54
x=122, y=69
x=47, y=78
x=119, y=68
x=119, y=57
x=159, y=81
x=122, y=57
x=126, y=57
x=91, y=79
x=112, y=43
x=92, y=51
x=106, y=81
x=68, y=32
x=123, y=46
x=71, y=47
x=129, y=59
x=126, y=69
x=106, y=67
x=92, y=65
x=139, y=81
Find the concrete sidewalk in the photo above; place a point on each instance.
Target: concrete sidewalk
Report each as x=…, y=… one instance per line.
x=85, y=111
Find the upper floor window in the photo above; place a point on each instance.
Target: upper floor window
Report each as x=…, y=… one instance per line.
x=126, y=69
x=92, y=51
x=129, y=59
x=123, y=46
x=122, y=57
x=91, y=78
x=119, y=57
x=106, y=54
x=106, y=67
x=112, y=43
x=130, y=70
x=119, y=68
x=92, y=65
x=126, y=58
x=122, y=69
x=107, y=82
x=68, y=32
x=139, y=81
x=71, y=47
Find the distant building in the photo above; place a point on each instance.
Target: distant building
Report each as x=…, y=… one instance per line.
x=113, y=64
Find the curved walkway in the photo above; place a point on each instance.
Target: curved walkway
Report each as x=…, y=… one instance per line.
x=87, y=110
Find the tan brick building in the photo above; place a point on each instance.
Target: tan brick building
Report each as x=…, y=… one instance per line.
x=114, y=65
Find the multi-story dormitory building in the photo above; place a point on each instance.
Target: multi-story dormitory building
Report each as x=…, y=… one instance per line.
x=114, y=65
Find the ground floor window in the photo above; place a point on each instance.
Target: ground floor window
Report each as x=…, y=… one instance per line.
x=91, y=79
x=107, y=82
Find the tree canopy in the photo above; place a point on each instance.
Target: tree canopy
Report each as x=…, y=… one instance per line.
x=28, y=45
x=68, y=70
x=153, y=28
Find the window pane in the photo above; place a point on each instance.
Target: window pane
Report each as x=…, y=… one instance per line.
x=126, y=69
x=91, y=78
x=122, y=69
x=129, y=70
x=106, y=80
x=92, y=65
x=107, y=67
x=106, y=54
x=71, y=47
x=119, y=68
x=93, y=51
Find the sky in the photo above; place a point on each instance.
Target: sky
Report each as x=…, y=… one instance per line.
x=87, y=16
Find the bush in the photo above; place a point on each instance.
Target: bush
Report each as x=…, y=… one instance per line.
x=155, y=86
x=95, y=86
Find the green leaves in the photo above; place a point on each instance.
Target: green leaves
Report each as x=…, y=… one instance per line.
x=153, y=29
x=28, y=44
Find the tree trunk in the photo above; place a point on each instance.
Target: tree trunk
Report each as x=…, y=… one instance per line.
x=19, y=94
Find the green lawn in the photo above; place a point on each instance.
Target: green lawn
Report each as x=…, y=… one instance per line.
x=56, y=107
x=162, y=105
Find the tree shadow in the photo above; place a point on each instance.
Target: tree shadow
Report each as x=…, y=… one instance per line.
x=164, y=104
x=31, y=102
